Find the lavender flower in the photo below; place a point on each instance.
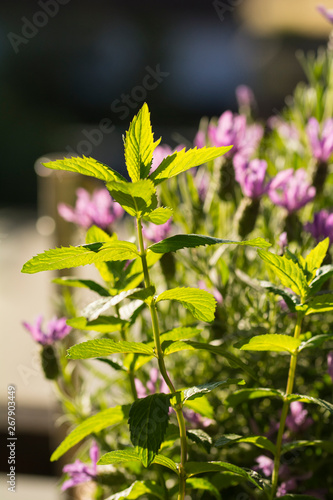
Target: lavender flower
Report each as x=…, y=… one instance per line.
x=330, y=364
x=196, y=419
x=98, y=209
x=322, y=225
x=154, y=384
x=217, y=295
x=56, y=329
x=298, y=420
x=290, y=189
x=283, y=240
x=244, y=96
x=232, y=129
x=321, y=142
x=80, y=472
x=200, y=139
x=251, y=176
x=156, y=233
x=327, y=13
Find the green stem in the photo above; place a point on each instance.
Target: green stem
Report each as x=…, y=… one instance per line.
x=161, y=364
x=285, y=408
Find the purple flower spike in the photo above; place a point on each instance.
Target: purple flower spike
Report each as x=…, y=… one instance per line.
x=200, y=139
x=233, y=130
x=330, y=364
x=98, y=209
x=290, y=189
x=327, y=13
x=298, y=420
x=56, y=329
x=251, y=176
x=321, y=141
x=156, y=233
x=265, y=465
x=322, y=225
x=244, y=96
x=80, y=472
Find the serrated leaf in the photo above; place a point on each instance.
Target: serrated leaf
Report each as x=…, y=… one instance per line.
x=322, y=275
x=94, y=424
x=158, y=216
x=199, y=302
x=103, y=347
x=199, y=390
x=134, y=197
x=290, y=299
x=96, y=308
x=119, y=457
x=310, y=399
x=180, y=333
x=201, y=406
x=200, y=437
x=96, y=235
x=180, y=161
x=137, y=489
x=86, y=166
x=77, y=283
x=319, y=304
x=315, y=258
x=244, y=395
x=166, y=462
x=315, y=341
x=324, y=445
x=148, y=420
x=180, y=241
x=289, y=273
x=171, y=347
x=114, y=364
x=194, y=468
x=67, y=257
x=104, y=324
x=200, y=483
x=259, y=441
x=139, y=145
x=271, y=342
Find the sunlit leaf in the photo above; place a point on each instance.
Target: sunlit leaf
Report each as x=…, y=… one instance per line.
x=199, y=302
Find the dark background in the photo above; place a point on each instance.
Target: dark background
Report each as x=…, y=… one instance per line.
x=65, y=77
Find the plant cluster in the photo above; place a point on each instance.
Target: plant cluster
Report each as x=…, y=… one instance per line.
x=225, y=415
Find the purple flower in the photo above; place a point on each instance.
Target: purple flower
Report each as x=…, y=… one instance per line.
x=298, y=420
x=80, y=472
x=217, y=295
x=330, y=364
x=244, y=96
x=251, y=176
x=322, y=225
x=321, y=142
x=265, y=465
x=155, y=384
x=201, y=180
x=200, y=139
x=286, y=130
x=283, y=240
x=327, y=13
x=196, y=419
x=290, y=189
x=156, y=233
x=98, y=209
x=233, y=130
x=56, y=329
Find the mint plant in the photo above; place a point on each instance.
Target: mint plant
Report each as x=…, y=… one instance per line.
x=125, y=266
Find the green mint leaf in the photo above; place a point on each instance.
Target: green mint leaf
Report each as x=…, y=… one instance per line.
x=244, y=395
x=324, y=445
x=104, y=347
x=290, y=299
x=199, y=390
x=194, y=468
x=200, y=483
x=138, y=489
x=104, y=324
x=315, y=258
x=293, y=496
x=201, y=438
x=259, y=441
x=94, y=424
x=77, y=283
x=271, y=342
x=201, y=406
x=180, y=161
x=148, y=421
x=158, y=216
x=86, y=166
x=134, y=197
x=139, y=145
x=319, y=304
x=180, y=241
x=315, y=341
x=310, y=399
x=289, y=273
x=180, y=333
x=67, y=257
x=199, y=302
x=131, y=455
x=322, y=275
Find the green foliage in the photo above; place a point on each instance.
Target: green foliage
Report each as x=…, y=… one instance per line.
x=137, y=489
x=180, y=241
x=131, y=455
x=310, y=399
x=319, y=304
x=199, y=302
x=199, y=483
x=243, y=395
x=85, y=166
x=104, y=324
x=315, y=258
x=134, y=197
x=194, y=468
x=199, y=390
x=158, y=216
x=77, y=283
x=104, y=347
x=259, y=441
x=271, y=342
x=148, y=420
x=93, y=424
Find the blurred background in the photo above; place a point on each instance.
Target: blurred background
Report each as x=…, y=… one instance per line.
x=72, y=75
